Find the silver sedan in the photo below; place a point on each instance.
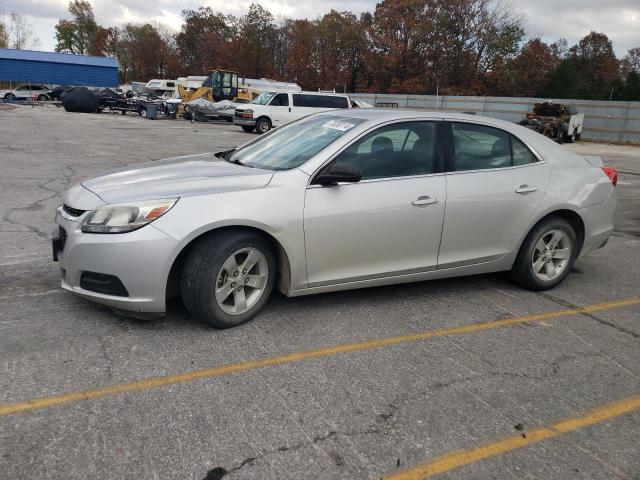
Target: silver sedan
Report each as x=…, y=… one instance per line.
x=337, y=200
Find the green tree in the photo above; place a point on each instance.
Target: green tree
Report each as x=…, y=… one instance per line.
x=631, y=89
x=563, y=80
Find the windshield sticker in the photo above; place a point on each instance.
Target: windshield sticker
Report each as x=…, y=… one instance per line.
x=338, y=125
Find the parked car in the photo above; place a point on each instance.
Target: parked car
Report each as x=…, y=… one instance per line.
x=274, y=109
x=339, y=200
x=35, y=91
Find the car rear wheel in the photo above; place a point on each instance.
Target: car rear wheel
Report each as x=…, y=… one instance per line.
x=263, y=125
x=228, y=277
x=9, y=97
x=42, y=98
x=547, y=255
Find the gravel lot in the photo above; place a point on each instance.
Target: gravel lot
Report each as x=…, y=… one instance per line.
x=347, y=406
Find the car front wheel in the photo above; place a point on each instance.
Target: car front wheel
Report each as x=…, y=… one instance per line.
x=547, y=255
x=9, y=97
x=263, y=125
x=228, y=277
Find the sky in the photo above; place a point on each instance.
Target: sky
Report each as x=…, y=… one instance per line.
x=548, y=19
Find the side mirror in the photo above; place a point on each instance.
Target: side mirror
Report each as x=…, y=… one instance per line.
x=336, y=173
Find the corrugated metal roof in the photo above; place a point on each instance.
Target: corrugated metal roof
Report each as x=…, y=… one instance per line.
x=51, y=57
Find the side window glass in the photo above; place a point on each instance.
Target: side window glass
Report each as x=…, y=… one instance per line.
x=311, y=101
x=298, y=100
x=281, y=100
x=521, y=154
x=398, y=150
x=479, y=147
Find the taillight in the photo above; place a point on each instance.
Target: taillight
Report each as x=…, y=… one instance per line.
x=612, y=173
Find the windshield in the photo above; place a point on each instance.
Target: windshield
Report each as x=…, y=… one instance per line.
x=292, y=145
x=263, y=98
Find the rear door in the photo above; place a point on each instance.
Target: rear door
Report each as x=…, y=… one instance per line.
x=494, y=186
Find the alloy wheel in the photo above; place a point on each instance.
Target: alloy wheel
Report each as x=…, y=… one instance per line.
x=551, y=255
x=241, y=281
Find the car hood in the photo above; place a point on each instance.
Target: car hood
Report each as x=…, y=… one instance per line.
x=176, y=177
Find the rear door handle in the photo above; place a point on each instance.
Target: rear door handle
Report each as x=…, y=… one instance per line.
x=526, y=189
x=424, y=200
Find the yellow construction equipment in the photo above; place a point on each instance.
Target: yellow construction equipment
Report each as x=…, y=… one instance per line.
x=220, y=85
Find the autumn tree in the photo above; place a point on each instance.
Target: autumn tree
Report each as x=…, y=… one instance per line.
x=205, y=41
x=301, y=54
x=597, y=64
x=528, y=72
x=325, y=53
x=145, y=53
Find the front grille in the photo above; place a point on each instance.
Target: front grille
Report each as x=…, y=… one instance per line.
x=74, y=212
x=63, y=238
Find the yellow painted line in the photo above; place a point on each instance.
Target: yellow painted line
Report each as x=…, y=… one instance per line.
x=460, y=458
x=46, y=402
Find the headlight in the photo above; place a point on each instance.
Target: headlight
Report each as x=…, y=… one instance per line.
x=122, y=218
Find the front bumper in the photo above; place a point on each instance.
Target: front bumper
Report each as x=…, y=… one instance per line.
x=245, y=122
x=139, y=259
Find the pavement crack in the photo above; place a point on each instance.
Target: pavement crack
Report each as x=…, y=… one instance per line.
x=105, y=355
x=603, y=321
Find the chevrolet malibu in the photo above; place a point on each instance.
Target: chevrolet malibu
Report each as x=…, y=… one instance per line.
x=338, y=200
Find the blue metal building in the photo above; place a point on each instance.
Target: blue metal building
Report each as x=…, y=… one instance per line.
x=57, y=68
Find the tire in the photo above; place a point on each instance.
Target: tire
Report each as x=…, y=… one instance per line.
x=571, y=138
x=42, y=98
x=248, y=128
x=531, y=255
x=207, y=277
x=263, y=125
x=578, y=137
x=143, y=112
x=560, y=137
x=9, y=97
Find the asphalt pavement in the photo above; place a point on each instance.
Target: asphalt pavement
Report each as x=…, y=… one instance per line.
x=468, y=378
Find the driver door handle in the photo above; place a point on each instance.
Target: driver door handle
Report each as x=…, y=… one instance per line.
x=526, y=189
x=424, y=200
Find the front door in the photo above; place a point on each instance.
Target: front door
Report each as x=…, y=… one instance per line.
x=387, y=224
x=280, y=110
x=493, y=191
